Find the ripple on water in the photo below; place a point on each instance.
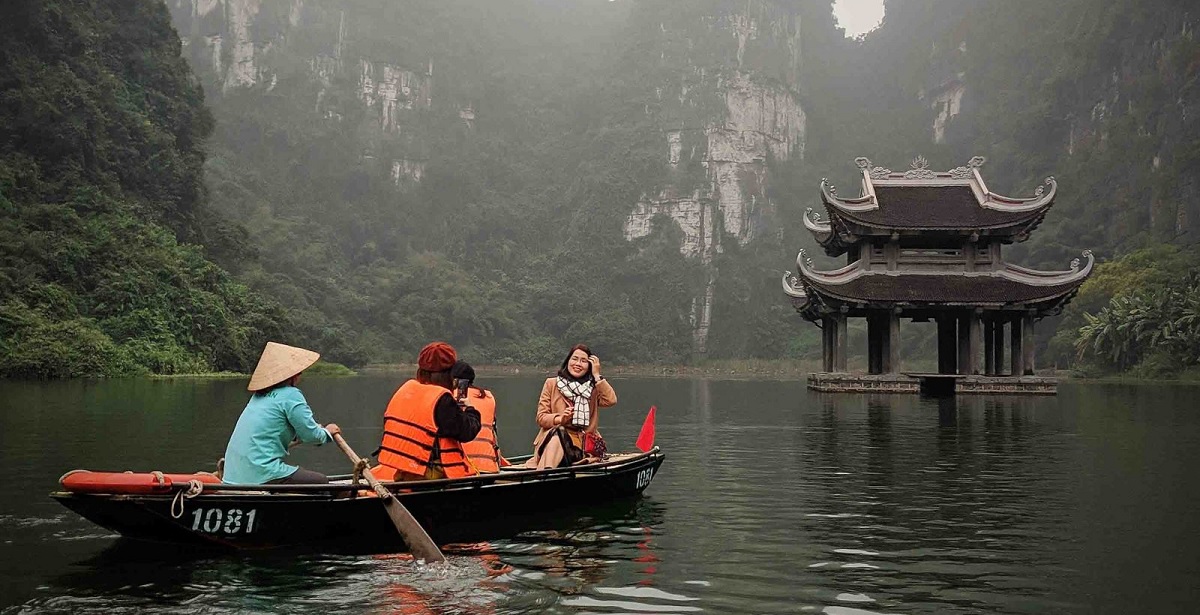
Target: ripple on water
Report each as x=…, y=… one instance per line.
x=637, y=607
x=644, y=592
x=846, y=610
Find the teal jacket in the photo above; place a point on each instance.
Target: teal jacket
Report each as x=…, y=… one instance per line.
x=260, y=440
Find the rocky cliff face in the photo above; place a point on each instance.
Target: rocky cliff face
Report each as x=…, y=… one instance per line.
x=256, y=46
x=725, y=94
x=728, y=104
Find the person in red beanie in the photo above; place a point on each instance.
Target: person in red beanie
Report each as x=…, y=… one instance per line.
x=424, y=427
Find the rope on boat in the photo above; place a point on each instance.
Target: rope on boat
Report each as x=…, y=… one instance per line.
x=194, y=489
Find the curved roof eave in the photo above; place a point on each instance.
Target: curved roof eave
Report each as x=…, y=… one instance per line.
x=1043, y=198
x=829, y=196
x=829, y=283
x=791, y=289
x=822, y=231
x=1076, y=273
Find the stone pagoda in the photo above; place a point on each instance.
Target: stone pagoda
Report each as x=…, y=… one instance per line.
x=926, y=246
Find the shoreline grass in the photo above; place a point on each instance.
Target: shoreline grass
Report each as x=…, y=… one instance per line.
x=721, y=369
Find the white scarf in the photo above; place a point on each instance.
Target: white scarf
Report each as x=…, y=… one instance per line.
x=578, y=393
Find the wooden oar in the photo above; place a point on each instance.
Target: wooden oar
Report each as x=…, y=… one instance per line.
x=418, y=541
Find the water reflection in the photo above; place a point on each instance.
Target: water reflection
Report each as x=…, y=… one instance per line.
x=773, y=498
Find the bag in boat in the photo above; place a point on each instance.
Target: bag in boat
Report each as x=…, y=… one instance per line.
x=593, y=444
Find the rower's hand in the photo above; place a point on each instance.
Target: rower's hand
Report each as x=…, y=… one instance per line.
x=333, y=429
x=595, y=361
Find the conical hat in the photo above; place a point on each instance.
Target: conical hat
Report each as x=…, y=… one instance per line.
x=278, y=363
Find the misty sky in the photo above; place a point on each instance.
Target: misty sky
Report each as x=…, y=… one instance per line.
x=858, y=16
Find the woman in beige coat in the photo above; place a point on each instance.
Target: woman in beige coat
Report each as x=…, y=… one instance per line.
x=567, y=409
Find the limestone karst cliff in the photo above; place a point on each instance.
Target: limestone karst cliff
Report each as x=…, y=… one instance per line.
x=724, y=94
x=680, y=140
x=727, y=88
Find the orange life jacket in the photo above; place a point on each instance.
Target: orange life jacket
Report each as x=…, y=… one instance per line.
x=410, y=442
x=483, y=451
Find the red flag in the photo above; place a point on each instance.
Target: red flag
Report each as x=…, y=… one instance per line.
x=645, y=440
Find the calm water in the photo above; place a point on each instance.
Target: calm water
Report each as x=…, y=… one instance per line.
x=773, y=499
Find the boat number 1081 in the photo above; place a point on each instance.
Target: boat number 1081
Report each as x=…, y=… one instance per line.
x=217, y=521
x=643, y=477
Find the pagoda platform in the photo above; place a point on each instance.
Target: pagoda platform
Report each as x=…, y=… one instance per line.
x=845, y=382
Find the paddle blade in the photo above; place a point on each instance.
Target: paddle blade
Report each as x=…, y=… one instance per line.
x=418, y=541
x=645, y=440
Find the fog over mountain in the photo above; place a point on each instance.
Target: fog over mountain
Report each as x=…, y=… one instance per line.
x=516, y=176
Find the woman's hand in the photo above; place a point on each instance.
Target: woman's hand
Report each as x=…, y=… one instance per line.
x=333, y=429
x=564, y=418
x=595, y=361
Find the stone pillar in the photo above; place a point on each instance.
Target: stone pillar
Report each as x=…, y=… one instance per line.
x=1027, y=343
x=874, y=344
x=893, y=343
x=976, y=341
x=947, y=345
x=827, y=326
x=989, y=354
x=998, y=346
x=885, y=343
x=964, y=344
x=839, y=346
x=1015, y=338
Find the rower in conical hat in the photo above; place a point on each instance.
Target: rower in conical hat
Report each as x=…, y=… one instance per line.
x=276, y=415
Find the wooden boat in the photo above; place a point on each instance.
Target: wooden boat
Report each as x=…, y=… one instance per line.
x=350, y=517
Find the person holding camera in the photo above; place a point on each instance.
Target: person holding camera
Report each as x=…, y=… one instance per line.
x=567, y=412
x=424, y=426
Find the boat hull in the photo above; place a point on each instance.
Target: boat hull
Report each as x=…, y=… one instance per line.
x=464, y=510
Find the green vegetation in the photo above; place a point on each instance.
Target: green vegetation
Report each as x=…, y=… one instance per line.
x=1139, y=315
x=329, y=368
x=101, y=127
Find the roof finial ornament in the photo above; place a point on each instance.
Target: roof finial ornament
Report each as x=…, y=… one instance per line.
x=1075, y=261
x=815, y=216
x=874, y=172
x=965, y=172
x=920, y=169
x=1042, y=189
x=803, y=257
x=792, y=286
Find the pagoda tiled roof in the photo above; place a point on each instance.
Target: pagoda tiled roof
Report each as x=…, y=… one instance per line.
x=921, y=201
x=934, y=207
x=1009, y=286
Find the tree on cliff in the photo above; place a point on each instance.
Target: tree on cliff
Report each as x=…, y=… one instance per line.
x=101, y=199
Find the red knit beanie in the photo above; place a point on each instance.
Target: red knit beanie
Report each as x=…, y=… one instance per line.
x=437, y=357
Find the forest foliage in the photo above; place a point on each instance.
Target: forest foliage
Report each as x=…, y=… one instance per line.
x=102, y=208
